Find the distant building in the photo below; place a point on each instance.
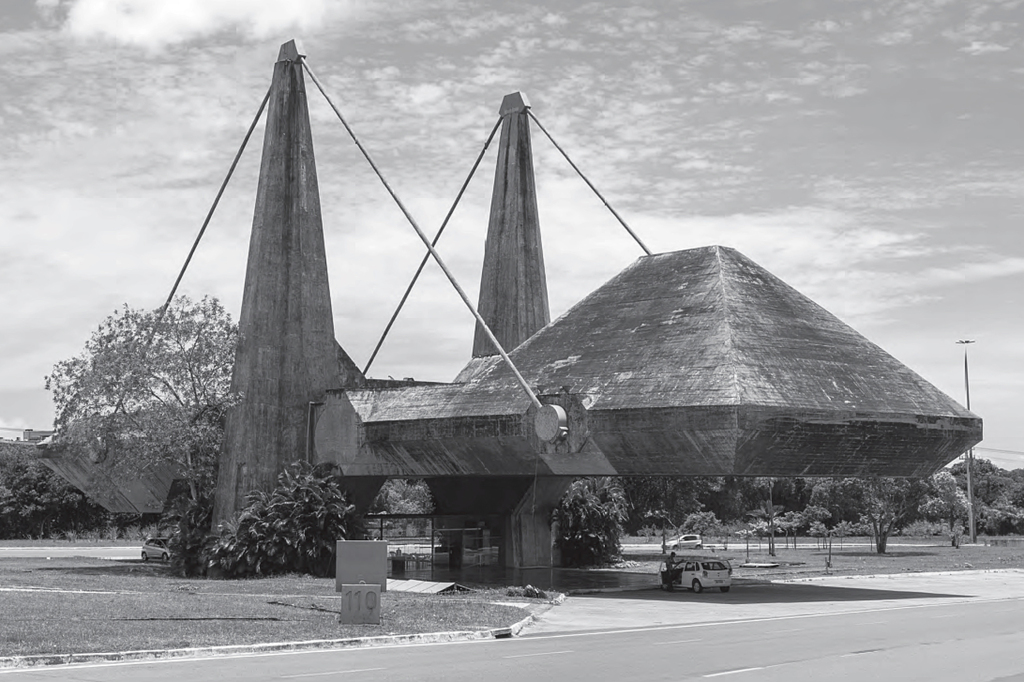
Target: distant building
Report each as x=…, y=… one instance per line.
x=33, y=436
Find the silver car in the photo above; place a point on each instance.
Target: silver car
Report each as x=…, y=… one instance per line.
x=689, y=541
x=156, y=548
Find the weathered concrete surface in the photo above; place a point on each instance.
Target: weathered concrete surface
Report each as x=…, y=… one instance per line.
x=513, y=288
x=97, y=477
x=287, y=354
x=696, y=362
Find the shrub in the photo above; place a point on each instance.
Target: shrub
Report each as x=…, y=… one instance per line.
x=590, y=518
x=191, y=539
x=921, y=529
x=292, y=529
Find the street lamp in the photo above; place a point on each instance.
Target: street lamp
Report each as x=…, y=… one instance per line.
x=970, y=451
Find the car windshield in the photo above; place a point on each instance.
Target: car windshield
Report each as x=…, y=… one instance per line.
x=714, y=566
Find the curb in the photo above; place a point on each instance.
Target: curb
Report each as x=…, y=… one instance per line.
x=895, y=576
x=40, y=660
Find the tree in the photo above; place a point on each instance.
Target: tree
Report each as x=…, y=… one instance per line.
x=145, y=394
x=842, y=497
x=888, y=503
x=402, y=496
x=766, y=516
x=589, y=518
x=883, y=504
x=702, y=523
x=791, y=522
x=663, y=500
x=767, y=512
x=946, y=502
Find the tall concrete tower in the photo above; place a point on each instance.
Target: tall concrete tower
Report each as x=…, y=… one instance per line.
x=287, y=354
x=513, y=286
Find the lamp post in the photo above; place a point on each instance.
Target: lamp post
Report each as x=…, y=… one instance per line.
x=970, y=451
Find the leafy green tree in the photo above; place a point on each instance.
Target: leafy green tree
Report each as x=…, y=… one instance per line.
x=589, y=518
x=402, y=496
x=767, y=511
x=842, y=497
x=767, y=514
x=888, y=504
x=144, y=394
x=702, y=523
x=663, y=500
x=946, y=502
x=294, y=528
x=789, y=523
x=883, y=504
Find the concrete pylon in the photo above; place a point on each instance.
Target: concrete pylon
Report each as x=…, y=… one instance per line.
x=514, y=303
x=513, y=286
x=287, y=354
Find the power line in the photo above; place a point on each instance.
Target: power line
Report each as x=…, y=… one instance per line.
x=1007, y=452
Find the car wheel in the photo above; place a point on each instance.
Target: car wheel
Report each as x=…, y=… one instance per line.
x=145, y=557
x=724, y=589
x=700, y=546
x=165, y=557
x=697, y=587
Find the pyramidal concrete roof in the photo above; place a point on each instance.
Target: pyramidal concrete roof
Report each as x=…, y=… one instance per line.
x=708, y=326
x=697, y=362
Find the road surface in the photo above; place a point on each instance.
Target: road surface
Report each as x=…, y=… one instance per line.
x=122, y=552
x=933, y=628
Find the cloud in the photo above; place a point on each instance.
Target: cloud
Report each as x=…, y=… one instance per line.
x=979, y=47
x=153, y=25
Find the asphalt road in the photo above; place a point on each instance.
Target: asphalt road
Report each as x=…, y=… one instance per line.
x=857, y=630
x=124, y=552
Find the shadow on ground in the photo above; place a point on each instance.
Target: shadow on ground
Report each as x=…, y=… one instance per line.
x=874, y=555
x=774, y=593
x=135, y=567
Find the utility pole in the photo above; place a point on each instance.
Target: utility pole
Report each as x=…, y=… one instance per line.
x=970, y=452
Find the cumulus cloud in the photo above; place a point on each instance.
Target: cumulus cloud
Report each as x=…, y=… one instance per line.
x=154, y=25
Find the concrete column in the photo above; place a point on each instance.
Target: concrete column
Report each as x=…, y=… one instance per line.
x=529, y=526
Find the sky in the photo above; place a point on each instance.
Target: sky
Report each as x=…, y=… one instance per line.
x=866, y=152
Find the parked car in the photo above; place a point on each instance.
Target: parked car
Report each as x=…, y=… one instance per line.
x=689, y=541
x=157, y=549
x=699, y=573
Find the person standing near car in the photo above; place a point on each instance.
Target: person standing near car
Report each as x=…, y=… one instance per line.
x=669, y=574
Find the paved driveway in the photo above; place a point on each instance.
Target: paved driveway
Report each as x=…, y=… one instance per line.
x=771, y=600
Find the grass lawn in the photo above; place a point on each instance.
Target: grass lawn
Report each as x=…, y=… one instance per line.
x=80, y=605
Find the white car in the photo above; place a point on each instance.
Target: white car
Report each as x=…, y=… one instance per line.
x=687, y=542
x=704, y=573
x=699, y=573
